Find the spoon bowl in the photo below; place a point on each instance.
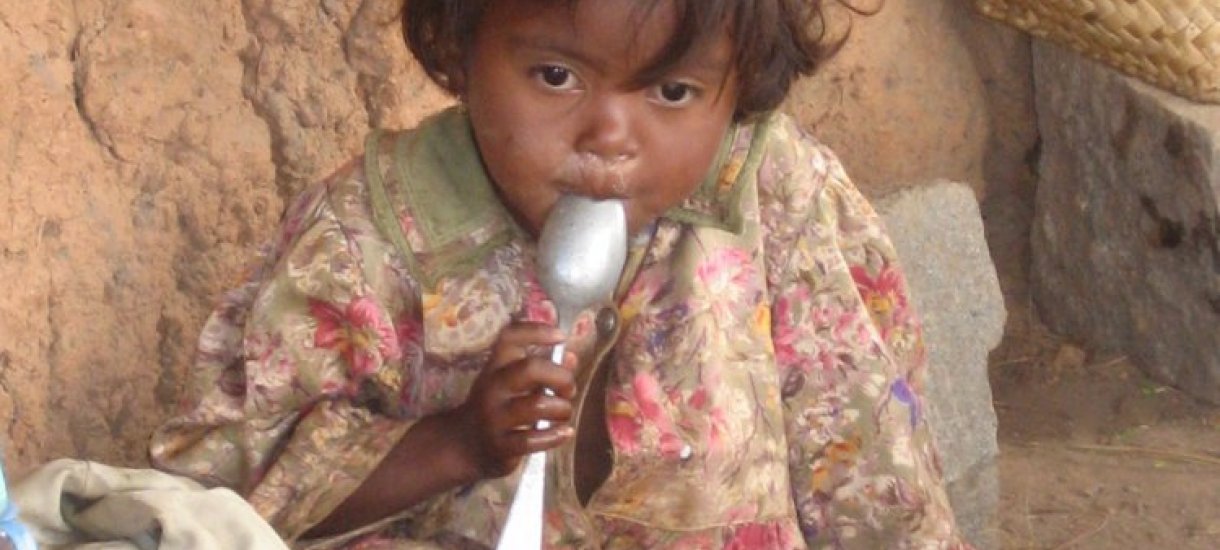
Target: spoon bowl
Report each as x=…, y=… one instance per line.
x=581, y=253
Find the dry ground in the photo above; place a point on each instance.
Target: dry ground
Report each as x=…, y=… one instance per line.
x=1096, y=455
x=1093, y=454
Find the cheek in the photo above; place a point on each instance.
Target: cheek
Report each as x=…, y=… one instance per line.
x=510, y=138
x=517, y=158
x=687, y=164
x=677, y=169
x=519, y=165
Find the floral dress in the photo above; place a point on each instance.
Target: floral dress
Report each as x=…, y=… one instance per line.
x=758, y=372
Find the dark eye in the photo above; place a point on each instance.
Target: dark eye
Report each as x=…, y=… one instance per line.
x=555, y=76
x=675, y=94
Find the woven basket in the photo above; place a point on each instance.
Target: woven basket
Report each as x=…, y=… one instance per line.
x=1174, y=44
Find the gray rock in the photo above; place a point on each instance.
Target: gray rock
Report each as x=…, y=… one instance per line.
x=938, y=232
x=1126, y=242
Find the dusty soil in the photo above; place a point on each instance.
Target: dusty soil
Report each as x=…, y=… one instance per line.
x=1096, y=455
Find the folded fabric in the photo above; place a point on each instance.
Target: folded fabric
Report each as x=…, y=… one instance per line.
x=87, y=505
x=12, y=530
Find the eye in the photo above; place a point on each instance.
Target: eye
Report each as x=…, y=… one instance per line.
x=676, y=94
x=555, y=77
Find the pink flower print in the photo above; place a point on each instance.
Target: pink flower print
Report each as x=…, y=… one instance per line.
x=848, y=329
x=784, y=334
x=407, y=225
x=883, y=293
x=358, y=333
x=741, y=512
x=825, y=360
x=693, y=541
x=409, y=331
x=717, y=421
x=726, y=274
x=698, y=398
x=536, y=306
x=724, y=266
x=759, y=536
x=333, y=387
x=648, y=396
x=671, y=445
x=623, y=423
x=647, y=392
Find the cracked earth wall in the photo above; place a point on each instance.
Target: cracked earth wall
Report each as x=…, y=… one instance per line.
x=148, y=146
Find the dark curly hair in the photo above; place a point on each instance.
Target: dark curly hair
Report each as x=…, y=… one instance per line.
x=775, y=41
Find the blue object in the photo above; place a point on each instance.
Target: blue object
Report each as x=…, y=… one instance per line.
x=11, y=528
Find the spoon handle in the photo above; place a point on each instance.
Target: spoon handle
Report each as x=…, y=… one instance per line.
x=523, y=529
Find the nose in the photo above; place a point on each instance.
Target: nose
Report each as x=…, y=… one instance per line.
x=608, y=133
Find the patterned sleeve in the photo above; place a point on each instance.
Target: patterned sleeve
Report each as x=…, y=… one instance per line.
x=295, y=373
x=850, y=355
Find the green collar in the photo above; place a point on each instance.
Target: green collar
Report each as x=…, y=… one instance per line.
x=435, y=174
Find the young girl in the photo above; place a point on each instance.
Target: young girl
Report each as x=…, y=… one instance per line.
x=753, y=384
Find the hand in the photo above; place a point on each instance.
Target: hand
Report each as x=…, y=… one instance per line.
x=497, y=421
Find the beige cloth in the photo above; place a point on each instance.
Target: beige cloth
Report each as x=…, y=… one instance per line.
x=87, y=505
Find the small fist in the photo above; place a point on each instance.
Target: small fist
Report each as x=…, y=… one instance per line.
x=499, y=420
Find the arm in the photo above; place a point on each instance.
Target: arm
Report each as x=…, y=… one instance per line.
x=428, y=461
x=850, y=355
x=299, y=375
x=288, y=373
x=482, y=438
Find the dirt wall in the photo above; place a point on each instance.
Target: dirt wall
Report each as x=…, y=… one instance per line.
x=148, y=146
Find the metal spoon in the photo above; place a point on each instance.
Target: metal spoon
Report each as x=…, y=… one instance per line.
x=581, y=253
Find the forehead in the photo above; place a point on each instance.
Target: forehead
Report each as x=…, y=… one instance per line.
x=650, y=35
x=650, y=23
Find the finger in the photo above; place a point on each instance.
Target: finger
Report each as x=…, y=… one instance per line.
x=542, y=440
x=525, y=412
x=569, y=361
x=567, y=390
x=515, y=341
x=532, y=375
x=529, y=441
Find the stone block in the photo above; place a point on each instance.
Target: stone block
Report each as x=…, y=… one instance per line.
x=938, y=232
x=1126, y=242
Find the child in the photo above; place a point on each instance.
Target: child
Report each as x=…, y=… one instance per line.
x=754, y=383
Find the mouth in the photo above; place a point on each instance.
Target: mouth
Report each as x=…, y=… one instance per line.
x=595, y=177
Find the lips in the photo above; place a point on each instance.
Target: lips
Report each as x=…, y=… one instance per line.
x=596, y=177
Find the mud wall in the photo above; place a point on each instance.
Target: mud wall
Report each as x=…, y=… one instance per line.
x=148, y=146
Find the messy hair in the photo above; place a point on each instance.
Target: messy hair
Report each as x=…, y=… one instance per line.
x=774, y=41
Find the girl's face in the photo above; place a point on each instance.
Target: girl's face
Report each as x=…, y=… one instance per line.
x=556, y=106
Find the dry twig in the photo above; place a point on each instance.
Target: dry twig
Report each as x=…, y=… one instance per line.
x=1107, y=363
x=1081, y=536
x=1185, y=456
